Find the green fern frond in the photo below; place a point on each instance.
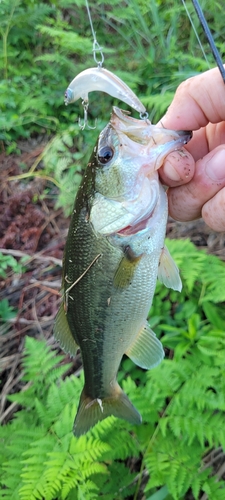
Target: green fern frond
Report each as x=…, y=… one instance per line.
x=160, y=102
x=65, y=393
x=53, y=58
x=87, y=491
x=67, y=40
x=198, y=266
x=33, y=368
x=69, y=486
x=198, y=481
x=189, y=260
x=214, y=490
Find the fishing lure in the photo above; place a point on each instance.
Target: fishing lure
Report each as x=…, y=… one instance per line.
x=104, y=81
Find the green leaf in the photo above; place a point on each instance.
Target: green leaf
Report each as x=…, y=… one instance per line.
x=214, y=315
x=161, y=494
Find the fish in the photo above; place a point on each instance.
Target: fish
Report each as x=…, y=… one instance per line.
x=103, y=80
x=113, y=254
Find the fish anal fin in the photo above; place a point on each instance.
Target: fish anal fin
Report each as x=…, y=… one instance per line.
x=125, y=271
x=91, y=411
x=168, y=272
x=62, y=332
x=146, y=350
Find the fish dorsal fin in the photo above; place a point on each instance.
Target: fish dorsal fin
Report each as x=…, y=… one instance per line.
x=63, y=334
x=146, y=351
x=125, y=271
x=168, y=272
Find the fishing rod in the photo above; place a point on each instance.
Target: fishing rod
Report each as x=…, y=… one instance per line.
x=208, y=35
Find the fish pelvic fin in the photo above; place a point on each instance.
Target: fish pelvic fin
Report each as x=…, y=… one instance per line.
x=91, y=411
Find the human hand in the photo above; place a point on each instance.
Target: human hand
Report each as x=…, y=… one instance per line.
x=196, y=178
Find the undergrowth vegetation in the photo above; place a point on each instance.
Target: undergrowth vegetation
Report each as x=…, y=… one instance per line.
x=152, y=47
x=182, y=403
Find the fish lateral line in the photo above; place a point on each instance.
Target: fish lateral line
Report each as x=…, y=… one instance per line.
x=66, y=294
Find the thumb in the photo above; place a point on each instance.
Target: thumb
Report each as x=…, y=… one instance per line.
x=186, y=202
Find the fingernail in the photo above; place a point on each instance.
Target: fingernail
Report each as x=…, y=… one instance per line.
x=215, y=166
x=177, y=165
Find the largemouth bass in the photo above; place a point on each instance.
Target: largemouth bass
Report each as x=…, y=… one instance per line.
x=113, y=254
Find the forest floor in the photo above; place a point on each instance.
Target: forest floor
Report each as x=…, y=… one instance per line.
x=30, y=227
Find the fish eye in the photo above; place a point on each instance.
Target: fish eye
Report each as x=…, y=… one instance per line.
x=105, y=155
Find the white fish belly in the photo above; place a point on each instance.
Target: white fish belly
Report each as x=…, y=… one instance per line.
x=128, y=308
x=128, y=311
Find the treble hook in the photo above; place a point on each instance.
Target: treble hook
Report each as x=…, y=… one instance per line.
x=85, y=124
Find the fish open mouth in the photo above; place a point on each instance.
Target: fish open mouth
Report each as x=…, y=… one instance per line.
x=142, y=206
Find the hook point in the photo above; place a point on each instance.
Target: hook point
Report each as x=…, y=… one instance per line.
x=85, y=124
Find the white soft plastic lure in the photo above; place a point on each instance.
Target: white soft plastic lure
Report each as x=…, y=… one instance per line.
x=104, y=81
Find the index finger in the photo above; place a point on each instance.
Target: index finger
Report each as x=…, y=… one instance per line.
x=198, y=101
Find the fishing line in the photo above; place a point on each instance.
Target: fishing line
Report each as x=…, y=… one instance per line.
x=96, y=46
x=195, y=32
x=208, y=35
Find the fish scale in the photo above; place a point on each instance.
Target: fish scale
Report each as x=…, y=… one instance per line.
x=87, y=302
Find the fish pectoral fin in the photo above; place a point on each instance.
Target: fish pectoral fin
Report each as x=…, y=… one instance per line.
x=91, y=411
x=168, y=272
x=62, y=333
x=125, y=271
x=147, y=350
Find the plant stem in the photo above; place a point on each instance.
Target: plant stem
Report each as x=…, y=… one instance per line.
x=5, y=55
x=4, y=40
x=34, y=174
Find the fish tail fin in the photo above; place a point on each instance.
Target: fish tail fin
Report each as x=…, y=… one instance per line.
x=91, y=411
